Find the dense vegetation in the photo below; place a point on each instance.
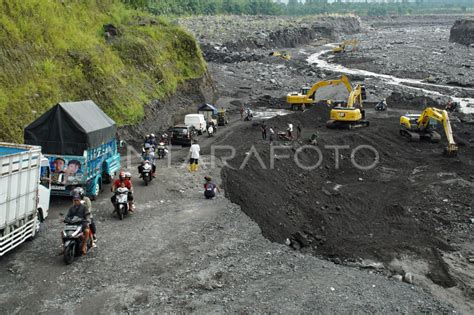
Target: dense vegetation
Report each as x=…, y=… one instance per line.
x=300, y=7
x=52, y=51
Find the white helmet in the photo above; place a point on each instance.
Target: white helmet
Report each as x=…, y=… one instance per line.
x=128, y=175
x=152, y=135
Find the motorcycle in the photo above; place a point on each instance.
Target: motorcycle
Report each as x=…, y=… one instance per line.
x=164, y=139
x=147, y=172
x=121, y=202
x=249, y=115
x=381, y=106
x=161, y=150
x=73, y=237
x=210, y=131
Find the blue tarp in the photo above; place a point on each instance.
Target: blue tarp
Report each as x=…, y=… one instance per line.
x=8, y=151
x=207, y=108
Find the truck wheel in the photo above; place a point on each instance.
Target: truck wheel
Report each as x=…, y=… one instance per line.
x=95, y=191
x=107, y=179
x=69, y=253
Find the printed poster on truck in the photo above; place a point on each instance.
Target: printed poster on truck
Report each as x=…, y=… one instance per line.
x=66, y=171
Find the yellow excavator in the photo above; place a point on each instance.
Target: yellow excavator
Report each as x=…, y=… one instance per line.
x=352, y=114
x=345, y=46
x=282, y=54
x=423, y=126
x=306, y=94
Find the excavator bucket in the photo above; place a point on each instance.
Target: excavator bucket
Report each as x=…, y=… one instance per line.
x=451, y=151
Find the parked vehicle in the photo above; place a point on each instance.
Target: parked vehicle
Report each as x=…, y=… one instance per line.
x=222, y=118
x=197, y=121
x=73, y=237
x=24, y=193
x=121, y=202
x=79, y=141
x=209, y=112
x=183, y=135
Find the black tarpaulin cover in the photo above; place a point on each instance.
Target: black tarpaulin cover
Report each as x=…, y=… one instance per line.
x=70, y=128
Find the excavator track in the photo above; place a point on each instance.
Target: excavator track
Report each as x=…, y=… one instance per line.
x=411, y=136
x=333, y=124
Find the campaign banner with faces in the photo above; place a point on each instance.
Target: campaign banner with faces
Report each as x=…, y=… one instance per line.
x=67, y=170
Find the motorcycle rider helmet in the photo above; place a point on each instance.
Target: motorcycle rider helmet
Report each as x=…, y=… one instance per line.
x=78, y=191
x=152, y=135
x=208, y=178
x=128, y=175
x=122, y=175
x=147, y=146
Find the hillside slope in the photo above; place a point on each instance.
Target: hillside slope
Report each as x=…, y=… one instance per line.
x=53, y=51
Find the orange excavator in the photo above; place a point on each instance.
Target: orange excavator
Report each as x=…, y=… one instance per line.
x=306, y=95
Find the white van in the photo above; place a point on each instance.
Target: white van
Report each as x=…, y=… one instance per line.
x=197, y=121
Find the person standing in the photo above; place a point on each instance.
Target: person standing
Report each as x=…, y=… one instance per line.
x=314, y=138
x=241, y=112
x=290, y=131
x=272, y=134
x=298, y=131
x=194, y=156
x=264, y=131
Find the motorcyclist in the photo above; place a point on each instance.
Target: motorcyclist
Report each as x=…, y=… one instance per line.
x=164, y=138
x=147, y=139
x=128, y=184
x=149, y=156
x=81, y=211
x=248, y=113
x=382, y=105
x=152, y=141
x=87, y=202
x=210, y=130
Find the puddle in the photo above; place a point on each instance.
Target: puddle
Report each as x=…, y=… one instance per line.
x=267, y=113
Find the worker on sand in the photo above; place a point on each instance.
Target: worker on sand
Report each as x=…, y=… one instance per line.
x=210, y=188
x=314, y=138
x=263, y=128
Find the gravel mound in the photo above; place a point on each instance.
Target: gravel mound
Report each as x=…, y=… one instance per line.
x=462, y=32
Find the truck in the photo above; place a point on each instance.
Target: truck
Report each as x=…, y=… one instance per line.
x=24, y=193
x=79, y=140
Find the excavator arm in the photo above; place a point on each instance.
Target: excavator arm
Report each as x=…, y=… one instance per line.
x=355, y=97
x=441, y=116
x=295, y=99
x=343, y=80
x=342, y=47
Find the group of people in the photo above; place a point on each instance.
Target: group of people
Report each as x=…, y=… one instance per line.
x=289, y=134
x=82, y=208
x=247, y=112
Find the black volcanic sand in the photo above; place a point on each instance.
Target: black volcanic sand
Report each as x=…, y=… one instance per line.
x=415, y=201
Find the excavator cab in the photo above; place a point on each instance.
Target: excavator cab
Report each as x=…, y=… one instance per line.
x=305, y=90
